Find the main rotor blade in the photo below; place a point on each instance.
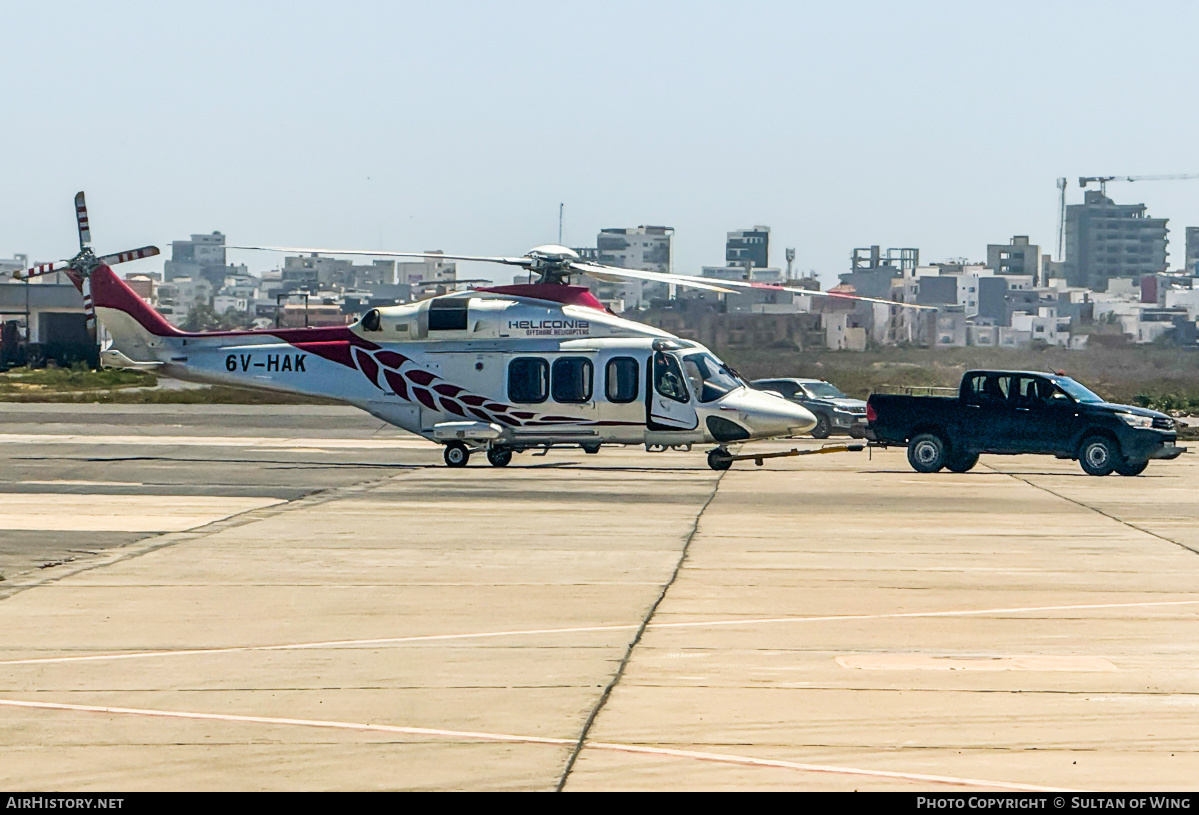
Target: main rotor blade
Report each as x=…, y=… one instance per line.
x=41, y=269
x=748, y=284
x=469, y=280
x=614, y=274
x=132, y=254
x=85, y=231
x=844, y=296
x=526, y=262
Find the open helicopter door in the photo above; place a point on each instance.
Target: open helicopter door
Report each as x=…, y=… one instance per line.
x=669, y=405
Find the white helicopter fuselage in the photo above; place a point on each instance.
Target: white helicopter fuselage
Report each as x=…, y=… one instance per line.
x=507, y=368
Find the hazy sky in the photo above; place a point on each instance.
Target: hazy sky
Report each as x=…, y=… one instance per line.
x=462, y=125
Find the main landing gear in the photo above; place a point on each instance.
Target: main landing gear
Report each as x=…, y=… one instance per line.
x=499, y=456
x=456, y=454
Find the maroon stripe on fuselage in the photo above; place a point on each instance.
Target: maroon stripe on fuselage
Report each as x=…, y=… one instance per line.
x=109, y=291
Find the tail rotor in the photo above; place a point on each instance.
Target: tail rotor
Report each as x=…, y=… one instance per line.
x=81, y=267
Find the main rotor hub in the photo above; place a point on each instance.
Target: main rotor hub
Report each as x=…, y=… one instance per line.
x=552, y=262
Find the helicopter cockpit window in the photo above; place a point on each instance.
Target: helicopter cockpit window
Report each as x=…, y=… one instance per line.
x=528, y=380
x=709, y=377
x=371, y=321
x=572, y=380
x=623, y=375
x=668, y=378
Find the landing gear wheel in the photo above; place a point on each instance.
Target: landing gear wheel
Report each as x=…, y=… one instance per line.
x=499, y=456
x=719, y=459
x=1098, y=456
x=1132, y=467
x=961, y=463
x=822, y=428
x=456, y=454
x=927, y=453
x=591, y=449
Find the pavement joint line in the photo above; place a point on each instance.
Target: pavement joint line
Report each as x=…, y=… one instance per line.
x=595, y=628
x=153, y=543
x=1076, y=502
x=645, y=622
x=720, y=758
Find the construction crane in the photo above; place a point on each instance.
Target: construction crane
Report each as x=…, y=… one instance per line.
x=1103, y=179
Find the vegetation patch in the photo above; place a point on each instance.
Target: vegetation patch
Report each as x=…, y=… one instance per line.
x=24, y=381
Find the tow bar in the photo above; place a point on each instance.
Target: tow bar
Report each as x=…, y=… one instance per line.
x=721, y=459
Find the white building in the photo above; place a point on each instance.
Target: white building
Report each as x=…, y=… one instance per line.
x=1044, y=326
x=644, y=247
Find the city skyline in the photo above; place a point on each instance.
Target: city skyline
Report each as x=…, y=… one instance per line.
x=462, y=127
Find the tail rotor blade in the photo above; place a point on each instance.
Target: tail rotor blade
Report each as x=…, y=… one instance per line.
x=89, y=309
x=85, y=231
x=132, y=254
x=41, y=269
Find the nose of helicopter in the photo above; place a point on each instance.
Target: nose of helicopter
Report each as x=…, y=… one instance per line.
x=768, y=415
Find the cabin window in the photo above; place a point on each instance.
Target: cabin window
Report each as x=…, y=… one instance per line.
x=528, y=380
x=623, y=375
x=448, y=314
x=572, y=380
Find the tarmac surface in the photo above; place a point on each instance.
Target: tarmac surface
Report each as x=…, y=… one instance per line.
x=283, y=598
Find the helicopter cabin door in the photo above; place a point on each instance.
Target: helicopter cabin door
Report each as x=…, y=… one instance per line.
x=669, y=405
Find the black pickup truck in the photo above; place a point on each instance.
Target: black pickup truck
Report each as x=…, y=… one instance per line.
x=1012, y=412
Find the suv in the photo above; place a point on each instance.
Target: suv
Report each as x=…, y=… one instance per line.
x=834, y=411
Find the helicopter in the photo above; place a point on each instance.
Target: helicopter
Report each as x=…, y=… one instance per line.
x=497, y=370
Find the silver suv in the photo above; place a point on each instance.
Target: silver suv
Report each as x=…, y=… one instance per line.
x=834, y=411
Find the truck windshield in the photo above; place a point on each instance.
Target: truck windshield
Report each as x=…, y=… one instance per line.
x=823, y=390
x=710, y=378
x=1076, y=391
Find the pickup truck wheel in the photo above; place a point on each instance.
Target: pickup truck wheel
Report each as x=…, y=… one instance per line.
x=927, y=453
x=1131, y=467
x=962, y=462
x=1098, y=456
x=822, y=428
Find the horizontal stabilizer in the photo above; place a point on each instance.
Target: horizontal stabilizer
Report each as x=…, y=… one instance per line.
x=112, y=358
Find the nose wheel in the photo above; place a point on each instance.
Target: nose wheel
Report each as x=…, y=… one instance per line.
x=719, y=459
